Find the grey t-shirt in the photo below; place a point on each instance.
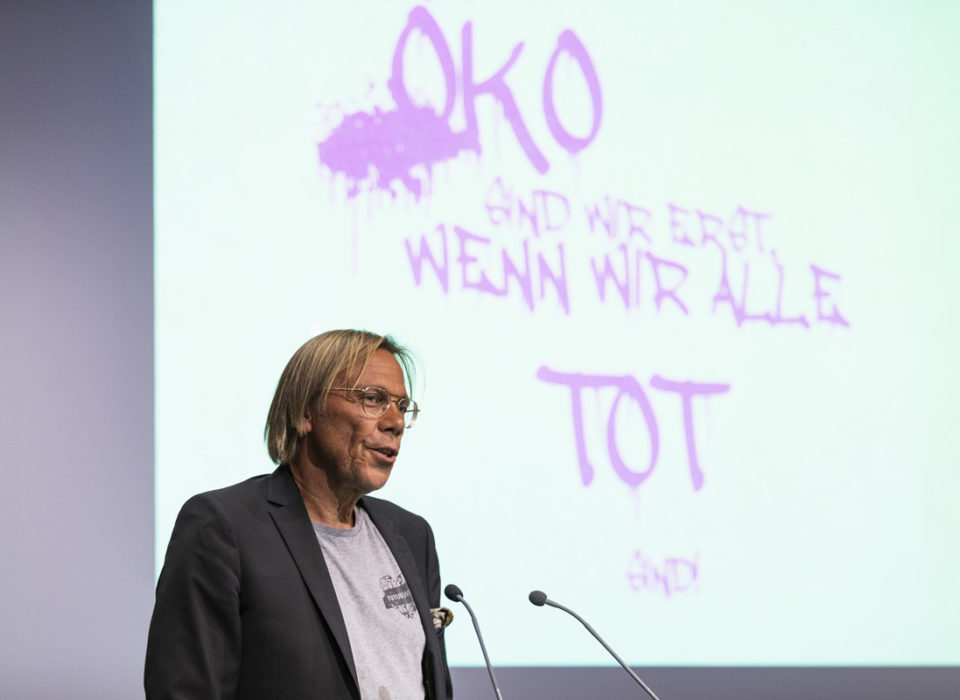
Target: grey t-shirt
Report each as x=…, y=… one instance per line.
x=383, y=625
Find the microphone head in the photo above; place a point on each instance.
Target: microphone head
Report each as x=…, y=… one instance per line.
x=453, y=593
x=538, y=598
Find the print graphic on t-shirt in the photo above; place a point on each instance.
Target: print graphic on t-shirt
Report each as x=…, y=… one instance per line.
x=396, y=594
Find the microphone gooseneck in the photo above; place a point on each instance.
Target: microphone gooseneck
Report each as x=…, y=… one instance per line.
x=456, y=595
x=539, y=598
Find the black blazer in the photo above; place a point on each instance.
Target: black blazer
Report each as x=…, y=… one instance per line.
x=246, y=608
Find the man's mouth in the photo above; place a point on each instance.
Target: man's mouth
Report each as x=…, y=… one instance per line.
x=389, y=453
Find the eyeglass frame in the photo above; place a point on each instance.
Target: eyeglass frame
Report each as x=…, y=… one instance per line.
x=412, y=409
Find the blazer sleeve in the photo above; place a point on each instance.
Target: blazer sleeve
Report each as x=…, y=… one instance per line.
x=194, y=643
x=433, y=593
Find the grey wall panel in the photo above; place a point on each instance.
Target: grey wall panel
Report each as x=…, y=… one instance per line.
x=76, y=403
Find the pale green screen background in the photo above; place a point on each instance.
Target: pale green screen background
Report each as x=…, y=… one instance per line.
x=805, y=152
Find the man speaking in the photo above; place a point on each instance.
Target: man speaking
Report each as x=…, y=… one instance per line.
x=297, y=585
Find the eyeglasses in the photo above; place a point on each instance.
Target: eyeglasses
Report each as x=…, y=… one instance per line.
x=375, y=401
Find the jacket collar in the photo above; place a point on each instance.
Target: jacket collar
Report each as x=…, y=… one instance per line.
x=290, y=516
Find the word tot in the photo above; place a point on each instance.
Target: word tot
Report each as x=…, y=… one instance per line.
x=629, y=388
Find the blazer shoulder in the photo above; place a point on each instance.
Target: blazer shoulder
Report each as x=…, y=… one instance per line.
x=236, y=498
x=254, y=487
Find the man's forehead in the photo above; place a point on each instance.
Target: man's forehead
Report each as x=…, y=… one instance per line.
x=382, y=370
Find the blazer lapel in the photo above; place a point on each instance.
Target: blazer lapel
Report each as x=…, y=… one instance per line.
x=290, y=517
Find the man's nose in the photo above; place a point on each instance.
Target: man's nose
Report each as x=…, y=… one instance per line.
x=393, y=420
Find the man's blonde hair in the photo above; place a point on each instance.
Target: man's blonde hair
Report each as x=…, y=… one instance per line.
x=321, y=363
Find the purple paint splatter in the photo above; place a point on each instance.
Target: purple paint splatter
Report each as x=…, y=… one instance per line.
x=384, y=147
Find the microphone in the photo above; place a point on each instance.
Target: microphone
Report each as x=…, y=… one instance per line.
x=539, y=598
x=456, y=595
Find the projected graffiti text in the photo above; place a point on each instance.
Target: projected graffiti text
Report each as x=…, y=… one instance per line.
x=530, y=274
x=669, y=576
x=628, y=388
x=386, y=146
x=675, y=260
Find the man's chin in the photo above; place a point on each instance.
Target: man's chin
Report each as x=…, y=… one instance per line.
x=375, y=477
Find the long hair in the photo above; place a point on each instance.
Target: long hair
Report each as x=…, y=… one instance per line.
x=321, y=363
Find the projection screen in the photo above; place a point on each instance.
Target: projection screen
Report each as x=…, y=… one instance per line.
x=679, y=277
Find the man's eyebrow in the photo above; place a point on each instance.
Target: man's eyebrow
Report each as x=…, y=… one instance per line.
x=385, y=390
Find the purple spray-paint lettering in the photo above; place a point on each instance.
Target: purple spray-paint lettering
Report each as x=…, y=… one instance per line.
x=544, y=211
x=569, y=42
x=388, y=145
x=440, y=263
x=678, y=229
x=628, y=387
x=663, y=291
x=821, y=295
x=420, y=19
x=669, y=576
x=725, y=295
x=775, y=314
x=621, y=282
x=778, y=311
x=686, y=391
x=496, y=88
x=710, y=227
x=477, y=259
x=742, y=228
x=619, y=218
x=623, y=271
x=468, y=260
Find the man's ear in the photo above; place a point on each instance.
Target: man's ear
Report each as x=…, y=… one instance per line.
x=305, y=425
